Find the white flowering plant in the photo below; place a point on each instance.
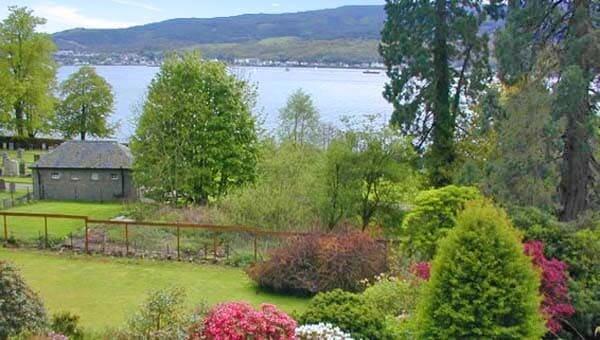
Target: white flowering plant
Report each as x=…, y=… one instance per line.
x=321, y=331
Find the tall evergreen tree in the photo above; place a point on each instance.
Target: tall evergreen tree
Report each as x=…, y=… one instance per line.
x=561, y=40
x=26, y=55
x=436, y=59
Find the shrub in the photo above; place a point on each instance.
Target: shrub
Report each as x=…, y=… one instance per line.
x=394, y=296
x=482, y=284
x=422, y=270
x=20, y=308
x=556, y=304
x=161, y=316
x=349, y=312
x=434, y=213
x=316, y=263
x=239, y=321
x=67, y=324
x=321, y=331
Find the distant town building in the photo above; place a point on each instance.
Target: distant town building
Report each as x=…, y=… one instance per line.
x=85, y=171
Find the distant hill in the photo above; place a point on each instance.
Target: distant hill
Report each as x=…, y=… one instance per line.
x=340, y=25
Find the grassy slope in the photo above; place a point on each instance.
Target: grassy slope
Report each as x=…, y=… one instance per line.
x=105, y=291
x=28, y=227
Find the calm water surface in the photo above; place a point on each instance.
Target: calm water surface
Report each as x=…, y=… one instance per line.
x=336, y=92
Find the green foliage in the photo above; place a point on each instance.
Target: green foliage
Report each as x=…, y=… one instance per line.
x=396, y=297
x=27, y=71
x=420, y=41
x=299, y=119
x=433, y=215
x=161, y=316
x=584, y=288
x=67, y=324
x=284, y=196
x=383, y=165
x=349, y=312
x=196, y=137
x=20, y=308
x=87, y=101
x=524, y=170
x=482, y=284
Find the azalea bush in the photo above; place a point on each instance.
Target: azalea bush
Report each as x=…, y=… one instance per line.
x=21, y=309
x=556, y=304
x=321, y=331
x=310, y=264
x=421, y=270
x=240, y=321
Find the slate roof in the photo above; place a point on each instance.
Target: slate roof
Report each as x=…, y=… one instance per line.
x=87, y=155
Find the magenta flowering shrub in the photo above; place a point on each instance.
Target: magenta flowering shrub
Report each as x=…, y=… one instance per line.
x=240, y=321
x=556, y=304
x=421, y=270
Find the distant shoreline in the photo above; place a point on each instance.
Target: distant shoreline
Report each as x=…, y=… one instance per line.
x=380, y=69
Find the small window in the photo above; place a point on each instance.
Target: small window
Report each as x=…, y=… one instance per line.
x=95, y=176
x=55, y=175
x=75, y=177
x=114, y=177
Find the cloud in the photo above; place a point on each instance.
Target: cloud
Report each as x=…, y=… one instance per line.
x=275, y=4
x=62, y=17
x=138, y=4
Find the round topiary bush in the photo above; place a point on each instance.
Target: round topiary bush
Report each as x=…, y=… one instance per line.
x=20, y=308
x=482, y=284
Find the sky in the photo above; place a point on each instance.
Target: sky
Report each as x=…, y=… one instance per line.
x=67, y=14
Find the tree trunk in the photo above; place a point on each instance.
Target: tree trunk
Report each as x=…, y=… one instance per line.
x=82, y=135
x=577, y=175
x=20, y=118
x=442, y=150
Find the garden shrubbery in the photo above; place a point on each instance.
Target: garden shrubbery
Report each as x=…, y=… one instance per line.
x=239, y=321
x=20, y=308
x=310, y=264
x=482, y=284
x=433, y=215
x=350, y=313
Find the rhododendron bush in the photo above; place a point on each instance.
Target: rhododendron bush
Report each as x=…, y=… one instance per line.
x=239, y=321
x=556, y=304
x=421, y=270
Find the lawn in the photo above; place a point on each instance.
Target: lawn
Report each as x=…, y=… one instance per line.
x=27, y=228
x=22, y=180
x=105, y=291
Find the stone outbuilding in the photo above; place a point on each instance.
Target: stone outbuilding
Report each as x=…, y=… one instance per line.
x=85, y=171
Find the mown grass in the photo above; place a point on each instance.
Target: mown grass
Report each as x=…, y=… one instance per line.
x=27, y=228
x=105, y=291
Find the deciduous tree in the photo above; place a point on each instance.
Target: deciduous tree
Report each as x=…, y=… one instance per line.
x=196, y=135
x=87, y=102
x=299, y=119
x=27, y=56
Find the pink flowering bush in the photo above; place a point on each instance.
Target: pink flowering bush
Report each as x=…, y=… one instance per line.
x=556, y=304
x=421, y=270
x=240, y=321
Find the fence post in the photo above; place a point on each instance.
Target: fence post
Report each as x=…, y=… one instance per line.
x=86, y=237
x=255, y=249
x=46, y=230
x=126, y=239
x=215, y=246
x=5, y=230
x=178, y=254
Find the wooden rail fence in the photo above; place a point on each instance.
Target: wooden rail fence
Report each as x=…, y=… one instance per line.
x=255, y=232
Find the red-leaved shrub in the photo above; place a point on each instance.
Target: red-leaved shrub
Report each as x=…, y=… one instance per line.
x=556, y=304
x=315, y=263
x=240, y=321
x=421, y=270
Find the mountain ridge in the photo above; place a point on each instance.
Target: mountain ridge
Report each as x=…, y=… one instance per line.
x=363, y=22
